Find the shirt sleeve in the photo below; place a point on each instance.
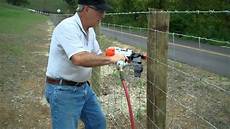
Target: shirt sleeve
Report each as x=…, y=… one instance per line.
x=70, y=39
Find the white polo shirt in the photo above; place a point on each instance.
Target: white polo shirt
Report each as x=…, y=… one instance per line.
x=68, y=39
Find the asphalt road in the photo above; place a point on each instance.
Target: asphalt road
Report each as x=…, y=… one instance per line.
x=211, y=58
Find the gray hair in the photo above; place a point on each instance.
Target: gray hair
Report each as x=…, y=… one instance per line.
x=80, y=8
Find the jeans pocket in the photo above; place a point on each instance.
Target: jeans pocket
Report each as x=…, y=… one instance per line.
x=48, y=92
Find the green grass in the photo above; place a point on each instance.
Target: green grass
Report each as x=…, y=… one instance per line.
x=17, y=28
x=15, y=20
x=48, y=5
x=11, y=49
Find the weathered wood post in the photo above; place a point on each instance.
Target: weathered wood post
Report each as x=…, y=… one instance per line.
x=157, y=46
x=95, y=80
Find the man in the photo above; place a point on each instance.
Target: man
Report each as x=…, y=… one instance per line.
x=73, y=51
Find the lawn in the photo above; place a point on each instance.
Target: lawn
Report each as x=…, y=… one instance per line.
x=24, y=38
x=15, y=20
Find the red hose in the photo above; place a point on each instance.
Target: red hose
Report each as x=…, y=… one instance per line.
x=129, y=104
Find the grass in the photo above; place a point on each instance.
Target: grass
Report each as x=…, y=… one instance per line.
x=22, y=35
x=12, y=50
x=46, y=5
x=15, y=27
x=15, y=20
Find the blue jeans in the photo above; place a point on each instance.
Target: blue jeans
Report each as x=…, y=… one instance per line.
x=68, y=104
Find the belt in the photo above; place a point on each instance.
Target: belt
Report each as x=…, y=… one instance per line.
x=63, y=82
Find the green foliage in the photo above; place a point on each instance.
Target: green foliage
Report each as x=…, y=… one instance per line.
x=18, y=2
x=214, y=26
x=72, y=4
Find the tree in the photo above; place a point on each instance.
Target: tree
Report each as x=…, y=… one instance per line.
x=157, y=4
x=72, y=4
x=17, y=2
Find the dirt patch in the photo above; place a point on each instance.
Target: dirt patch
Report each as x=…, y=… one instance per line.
x=23, y=62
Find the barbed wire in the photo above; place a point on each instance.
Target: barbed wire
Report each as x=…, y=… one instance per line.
x=173, y=12
x=212, y=11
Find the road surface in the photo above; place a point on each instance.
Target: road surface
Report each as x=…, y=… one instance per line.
x=211, y=58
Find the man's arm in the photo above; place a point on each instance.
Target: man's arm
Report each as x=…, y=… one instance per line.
x=87, y=59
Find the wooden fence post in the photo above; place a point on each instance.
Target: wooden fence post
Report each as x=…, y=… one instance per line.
x=157, y=46
x=95, y=80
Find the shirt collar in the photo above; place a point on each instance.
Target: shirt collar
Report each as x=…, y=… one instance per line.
x=79, y=22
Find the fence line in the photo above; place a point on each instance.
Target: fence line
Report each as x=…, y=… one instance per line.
x=190, y=75
x=174, y=12
x=188, y=108
x=171, y=33
x=116, y=121
x=183, y=105
x=212, y=11
x=203, y=119
x=171, y=97
x=187, y=103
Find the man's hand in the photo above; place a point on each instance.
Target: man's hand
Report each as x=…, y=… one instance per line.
x=118, y=57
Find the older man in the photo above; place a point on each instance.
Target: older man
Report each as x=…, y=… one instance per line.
x=73, y=51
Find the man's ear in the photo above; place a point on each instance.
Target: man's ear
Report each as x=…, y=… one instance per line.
x=86, y=8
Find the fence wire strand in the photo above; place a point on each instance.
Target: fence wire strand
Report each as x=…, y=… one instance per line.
x=115, y=104
x=170, y=33
x=174, y=12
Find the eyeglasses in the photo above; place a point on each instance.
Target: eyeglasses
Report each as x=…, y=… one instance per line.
x=96, y=9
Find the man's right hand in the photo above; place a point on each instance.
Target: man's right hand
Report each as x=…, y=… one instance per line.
x=118, y=57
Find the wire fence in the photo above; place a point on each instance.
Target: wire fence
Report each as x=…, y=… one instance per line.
x=144, y=31
x=191, y=101
x=201, y=48
x=175, y=12
x=196, y=98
